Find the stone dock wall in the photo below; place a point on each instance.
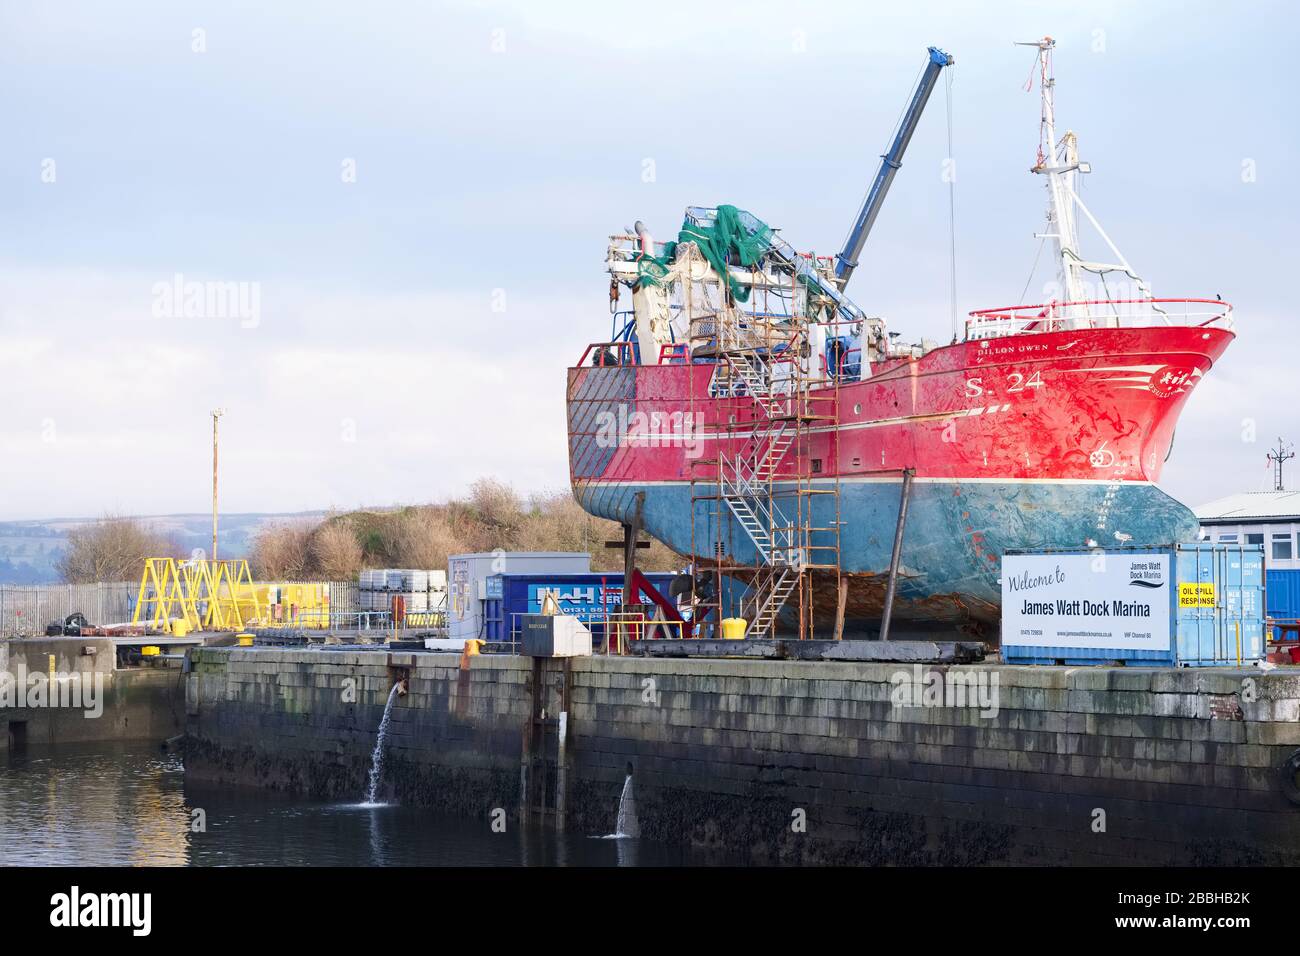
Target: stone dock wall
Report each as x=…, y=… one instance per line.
x=146, y=703
x=798, y=762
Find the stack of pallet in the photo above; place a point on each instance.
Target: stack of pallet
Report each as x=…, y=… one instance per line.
x=437, y=590
x=420, y=591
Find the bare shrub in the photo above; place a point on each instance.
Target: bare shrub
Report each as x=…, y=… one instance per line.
x=424, y=538
x=111, y=549
x=336, y=553
x=498, y=508
x=493, y=516
x=558, y=523
x=282, y=552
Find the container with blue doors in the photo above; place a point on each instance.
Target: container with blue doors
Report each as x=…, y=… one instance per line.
x=588, y=597
x=1283, y=587
x=1186, y=605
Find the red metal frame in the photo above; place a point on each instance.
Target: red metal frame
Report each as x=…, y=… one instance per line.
x=623, y=354
x=671, y=353
x=641, y=585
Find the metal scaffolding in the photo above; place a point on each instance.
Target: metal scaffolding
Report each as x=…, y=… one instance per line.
x=770, y=392
x=752, y=357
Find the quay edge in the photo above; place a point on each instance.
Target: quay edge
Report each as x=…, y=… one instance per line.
x=1184, y=764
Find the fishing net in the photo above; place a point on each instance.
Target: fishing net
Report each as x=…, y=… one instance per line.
x=735, y=237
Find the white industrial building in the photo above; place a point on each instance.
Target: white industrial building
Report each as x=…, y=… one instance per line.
x=467, y=576
x=1270, y=518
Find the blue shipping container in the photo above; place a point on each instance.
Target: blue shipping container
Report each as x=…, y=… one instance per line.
x=1283, y=589
x=588, y=597
x=1194, y=605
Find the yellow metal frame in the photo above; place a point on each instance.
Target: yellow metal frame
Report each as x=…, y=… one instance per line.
x=634, y=626
x=206, y=595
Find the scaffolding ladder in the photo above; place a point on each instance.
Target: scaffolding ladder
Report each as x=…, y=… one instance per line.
x=762, y=481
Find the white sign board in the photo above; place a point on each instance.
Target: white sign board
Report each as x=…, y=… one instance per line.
x=1100, y=600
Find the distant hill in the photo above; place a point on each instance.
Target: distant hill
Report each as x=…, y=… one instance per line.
x=29, y=549
x=312, y=545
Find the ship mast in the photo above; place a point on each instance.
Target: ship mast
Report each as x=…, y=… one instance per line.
x=1059, y=162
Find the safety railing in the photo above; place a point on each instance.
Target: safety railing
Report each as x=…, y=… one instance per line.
x=609, y=354
x=324, y=619
x=848, y=364
x=674, y=353
x=1099, y=314
x=622, y=325
x=622, y=628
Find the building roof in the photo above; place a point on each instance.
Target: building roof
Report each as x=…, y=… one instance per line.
x=1252, y=506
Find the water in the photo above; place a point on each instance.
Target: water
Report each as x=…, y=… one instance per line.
x=377, y=758
x=626, y=825
x=122, y=804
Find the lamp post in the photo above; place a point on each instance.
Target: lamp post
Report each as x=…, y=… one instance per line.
x=216, y=414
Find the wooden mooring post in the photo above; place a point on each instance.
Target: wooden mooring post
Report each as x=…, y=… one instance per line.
x=543, y=766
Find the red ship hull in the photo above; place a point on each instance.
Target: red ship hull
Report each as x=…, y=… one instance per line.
x=1088, y=405
x=1052, y=439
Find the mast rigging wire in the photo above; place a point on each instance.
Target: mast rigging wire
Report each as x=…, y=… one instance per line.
x=1034, y=268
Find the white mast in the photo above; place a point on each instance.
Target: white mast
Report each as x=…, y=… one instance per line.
x=1059, y=162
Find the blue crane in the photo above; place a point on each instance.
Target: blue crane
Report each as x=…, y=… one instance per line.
x=847, y=260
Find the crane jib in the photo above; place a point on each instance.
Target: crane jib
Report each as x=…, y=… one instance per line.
x=847, y=260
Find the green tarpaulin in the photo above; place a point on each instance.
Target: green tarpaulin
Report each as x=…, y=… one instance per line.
x=725, y=242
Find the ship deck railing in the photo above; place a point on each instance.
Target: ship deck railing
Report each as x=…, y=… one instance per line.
x=610, y=354
x=1099, y=314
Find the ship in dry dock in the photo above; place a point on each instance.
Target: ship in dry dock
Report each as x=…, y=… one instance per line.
x=774, y=433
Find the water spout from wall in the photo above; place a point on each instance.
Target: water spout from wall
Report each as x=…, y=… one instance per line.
x=627, y=825
x=377, y=758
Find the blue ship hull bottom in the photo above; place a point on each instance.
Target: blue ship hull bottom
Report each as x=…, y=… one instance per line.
x=956, y=534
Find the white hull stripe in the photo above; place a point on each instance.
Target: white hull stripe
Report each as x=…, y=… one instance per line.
x=657, y=439
x=877, y=479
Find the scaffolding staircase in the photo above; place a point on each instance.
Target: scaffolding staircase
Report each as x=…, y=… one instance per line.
x=770, y=407
x=770, y=595
x=764, y=484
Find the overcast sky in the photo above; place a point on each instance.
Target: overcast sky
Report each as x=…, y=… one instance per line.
x=420, y=195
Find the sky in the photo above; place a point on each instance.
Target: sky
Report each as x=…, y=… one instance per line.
x=407, y=206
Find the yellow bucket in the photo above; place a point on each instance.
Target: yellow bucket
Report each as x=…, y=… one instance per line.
x=733, y=628
x=150, y=650
x=180, y=627
x=245, y=640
